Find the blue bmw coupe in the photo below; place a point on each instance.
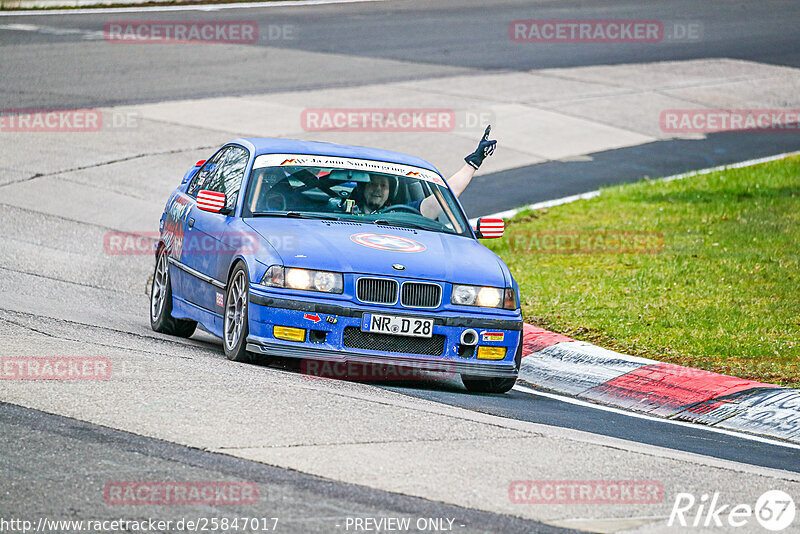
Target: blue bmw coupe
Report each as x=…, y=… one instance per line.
x=270, y=245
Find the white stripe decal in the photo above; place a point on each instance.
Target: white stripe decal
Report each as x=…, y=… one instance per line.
x=335, y=162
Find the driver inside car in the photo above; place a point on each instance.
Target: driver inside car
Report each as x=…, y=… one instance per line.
x=375, y=195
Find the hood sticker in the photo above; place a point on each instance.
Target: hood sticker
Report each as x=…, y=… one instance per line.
x=391, y=243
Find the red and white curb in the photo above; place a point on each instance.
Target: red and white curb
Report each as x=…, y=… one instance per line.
x=558, y=363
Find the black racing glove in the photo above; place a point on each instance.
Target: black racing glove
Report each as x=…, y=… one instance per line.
x=484, y=150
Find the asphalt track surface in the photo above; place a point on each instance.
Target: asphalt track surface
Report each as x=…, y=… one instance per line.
x=558, y=179
x=435, y=39
x=85, y=453
x=426, y=40
x=526, y=406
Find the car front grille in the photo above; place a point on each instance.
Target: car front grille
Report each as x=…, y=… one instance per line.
x=419, y=295
x=356, y=339
x=377, y=290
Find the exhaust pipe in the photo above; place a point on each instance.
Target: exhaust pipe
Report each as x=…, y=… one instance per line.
x=469, y=337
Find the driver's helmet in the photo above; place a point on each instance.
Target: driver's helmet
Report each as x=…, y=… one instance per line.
x=358, y=191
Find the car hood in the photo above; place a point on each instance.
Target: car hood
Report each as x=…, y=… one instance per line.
x=337, y=246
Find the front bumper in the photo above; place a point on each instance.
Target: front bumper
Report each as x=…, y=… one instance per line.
x=333, y=334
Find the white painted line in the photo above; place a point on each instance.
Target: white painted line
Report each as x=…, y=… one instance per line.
x=50, y=30
x=540, y=205
x=591, y=194
x=586, y=404
x=739, y=165
x=207, y=7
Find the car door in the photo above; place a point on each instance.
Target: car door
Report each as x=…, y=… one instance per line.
x=210, y=238
x=176, y=225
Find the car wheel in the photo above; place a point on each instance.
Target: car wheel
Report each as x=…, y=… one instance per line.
x=235, y=325
x=161, y=319
x=487, y=385
x=476, y=384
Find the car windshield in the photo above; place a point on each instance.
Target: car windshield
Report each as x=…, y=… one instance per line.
x=354, y=195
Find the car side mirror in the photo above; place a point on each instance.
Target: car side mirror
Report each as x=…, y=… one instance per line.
x=212, y=201
x=489, y=228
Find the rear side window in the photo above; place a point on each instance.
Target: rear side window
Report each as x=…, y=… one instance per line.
x=199, y=179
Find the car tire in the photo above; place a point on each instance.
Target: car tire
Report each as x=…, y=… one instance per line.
x=235, y=326
x=487, y=385
x=476, y=384
x=161, y=319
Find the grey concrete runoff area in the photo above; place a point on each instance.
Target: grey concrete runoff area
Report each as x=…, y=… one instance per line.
x=568, y=118
x=289, y=501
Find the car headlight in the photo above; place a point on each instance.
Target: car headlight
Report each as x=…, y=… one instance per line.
x=304, y=279
x=464, y=295
x=485, y=297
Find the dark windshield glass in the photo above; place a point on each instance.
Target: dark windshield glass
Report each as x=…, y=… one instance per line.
x=353, y=195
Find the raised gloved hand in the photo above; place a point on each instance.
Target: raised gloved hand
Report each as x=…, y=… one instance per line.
x=484, y=150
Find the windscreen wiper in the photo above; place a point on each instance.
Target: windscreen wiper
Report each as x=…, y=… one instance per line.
x=384, y=222
x=294, y=215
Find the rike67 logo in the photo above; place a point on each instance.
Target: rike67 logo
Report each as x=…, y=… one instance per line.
x=774, y=510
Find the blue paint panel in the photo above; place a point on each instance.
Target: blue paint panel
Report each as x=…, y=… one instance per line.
x=262, y=319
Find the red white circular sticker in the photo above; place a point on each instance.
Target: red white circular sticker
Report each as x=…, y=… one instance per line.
x=392, y=243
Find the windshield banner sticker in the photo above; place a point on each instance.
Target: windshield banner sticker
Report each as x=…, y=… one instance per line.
x=299, y=160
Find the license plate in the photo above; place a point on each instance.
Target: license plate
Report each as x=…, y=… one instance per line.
x=396, y=326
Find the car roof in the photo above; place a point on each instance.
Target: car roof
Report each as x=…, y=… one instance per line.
x=271, y=145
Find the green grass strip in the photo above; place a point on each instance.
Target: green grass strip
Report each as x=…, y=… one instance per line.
x=700, y=272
